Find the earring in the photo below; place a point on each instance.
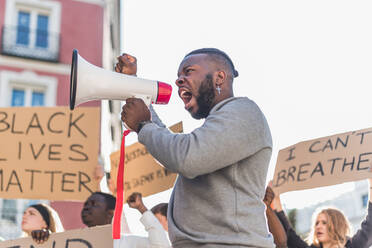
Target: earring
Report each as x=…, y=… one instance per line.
x=218, y=88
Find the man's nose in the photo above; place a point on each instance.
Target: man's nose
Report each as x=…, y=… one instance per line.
x=180, y=81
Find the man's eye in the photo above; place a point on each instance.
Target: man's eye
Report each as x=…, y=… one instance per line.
x=189, y=70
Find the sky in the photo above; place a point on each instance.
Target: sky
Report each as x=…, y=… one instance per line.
x=307, y=64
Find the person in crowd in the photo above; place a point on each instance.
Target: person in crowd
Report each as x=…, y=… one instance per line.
x=98, y=209
x=330, y=228
x=39, y=221
x=222, y=165
x=275, y=226
x=160, y=211
x=155, y=223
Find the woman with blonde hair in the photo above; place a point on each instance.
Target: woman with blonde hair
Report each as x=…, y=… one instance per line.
x=330, y=228
x=39, y=220
x=337, y=228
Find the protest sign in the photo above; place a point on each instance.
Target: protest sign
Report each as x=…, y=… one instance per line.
x=325, y=161
x=48, y=152
x=94, y=237
x=142, y=172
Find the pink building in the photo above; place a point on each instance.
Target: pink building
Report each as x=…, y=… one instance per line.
x=37, y=38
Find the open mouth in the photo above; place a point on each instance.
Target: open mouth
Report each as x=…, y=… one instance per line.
x=186, y=96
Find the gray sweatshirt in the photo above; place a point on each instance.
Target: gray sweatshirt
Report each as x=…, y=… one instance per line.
x=222, y=166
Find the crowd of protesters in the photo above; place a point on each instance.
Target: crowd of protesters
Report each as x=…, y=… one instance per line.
x=220, y=198
x=330, y=228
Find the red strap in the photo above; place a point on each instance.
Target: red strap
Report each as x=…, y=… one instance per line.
x=120, y=191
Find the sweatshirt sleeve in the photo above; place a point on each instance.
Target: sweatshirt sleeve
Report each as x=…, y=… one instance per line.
x=132, y=241
x=155, y=118
x=293, y=240
x=363, y=237
x=228, y=135
x=283, y=219
x=157, y=237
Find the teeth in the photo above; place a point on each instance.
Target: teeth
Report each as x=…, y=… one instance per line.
x=183, y=93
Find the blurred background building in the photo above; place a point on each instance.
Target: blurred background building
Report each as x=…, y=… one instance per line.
x=37, y=38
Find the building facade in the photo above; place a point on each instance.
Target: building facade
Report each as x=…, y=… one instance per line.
x=37, y=38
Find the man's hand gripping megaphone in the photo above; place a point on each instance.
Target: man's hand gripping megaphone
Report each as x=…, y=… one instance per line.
x=135, y=110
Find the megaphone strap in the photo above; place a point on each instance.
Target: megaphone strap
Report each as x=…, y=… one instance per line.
x=116, y=232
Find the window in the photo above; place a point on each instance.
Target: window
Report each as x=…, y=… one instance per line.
x=23, y=28
x=27, y=95
x=25, y=31
x=18, y=97
x=9, y=210
x=31, y=29
x=27, y=89
x=35, y=22
x=42, y=31
x=37, y=98
x=365, y=200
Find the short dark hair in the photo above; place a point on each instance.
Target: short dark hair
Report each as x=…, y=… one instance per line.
x=109, y=199
x=217, y=55
x=161, y=208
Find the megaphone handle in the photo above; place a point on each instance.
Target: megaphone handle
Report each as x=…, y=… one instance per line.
x=145, y=98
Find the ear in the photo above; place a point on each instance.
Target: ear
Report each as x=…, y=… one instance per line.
x=110, y=214
x=45, y=226
x=220, y=77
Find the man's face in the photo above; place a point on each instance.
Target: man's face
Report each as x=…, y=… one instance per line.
x=195, y=85
x=94, y=212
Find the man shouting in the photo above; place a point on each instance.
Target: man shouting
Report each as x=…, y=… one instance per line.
x=222, y=166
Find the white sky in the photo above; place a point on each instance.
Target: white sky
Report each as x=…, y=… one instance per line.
x=307, y=64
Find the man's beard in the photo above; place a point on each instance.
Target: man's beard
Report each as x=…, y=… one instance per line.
x=205, y=98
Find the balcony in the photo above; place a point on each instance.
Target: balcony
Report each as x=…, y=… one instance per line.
x=27, y=43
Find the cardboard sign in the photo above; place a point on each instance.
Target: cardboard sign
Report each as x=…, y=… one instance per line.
x=142, y=172
x=326, y=161
x=94, y=237
x=48, y=153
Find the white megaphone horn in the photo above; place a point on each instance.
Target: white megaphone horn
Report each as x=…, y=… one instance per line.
x=89, y=82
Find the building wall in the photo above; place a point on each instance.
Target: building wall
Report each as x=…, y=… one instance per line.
x=2, y=13
x=80, y=27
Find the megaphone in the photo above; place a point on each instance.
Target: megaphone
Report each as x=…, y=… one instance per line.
x=89, y=82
